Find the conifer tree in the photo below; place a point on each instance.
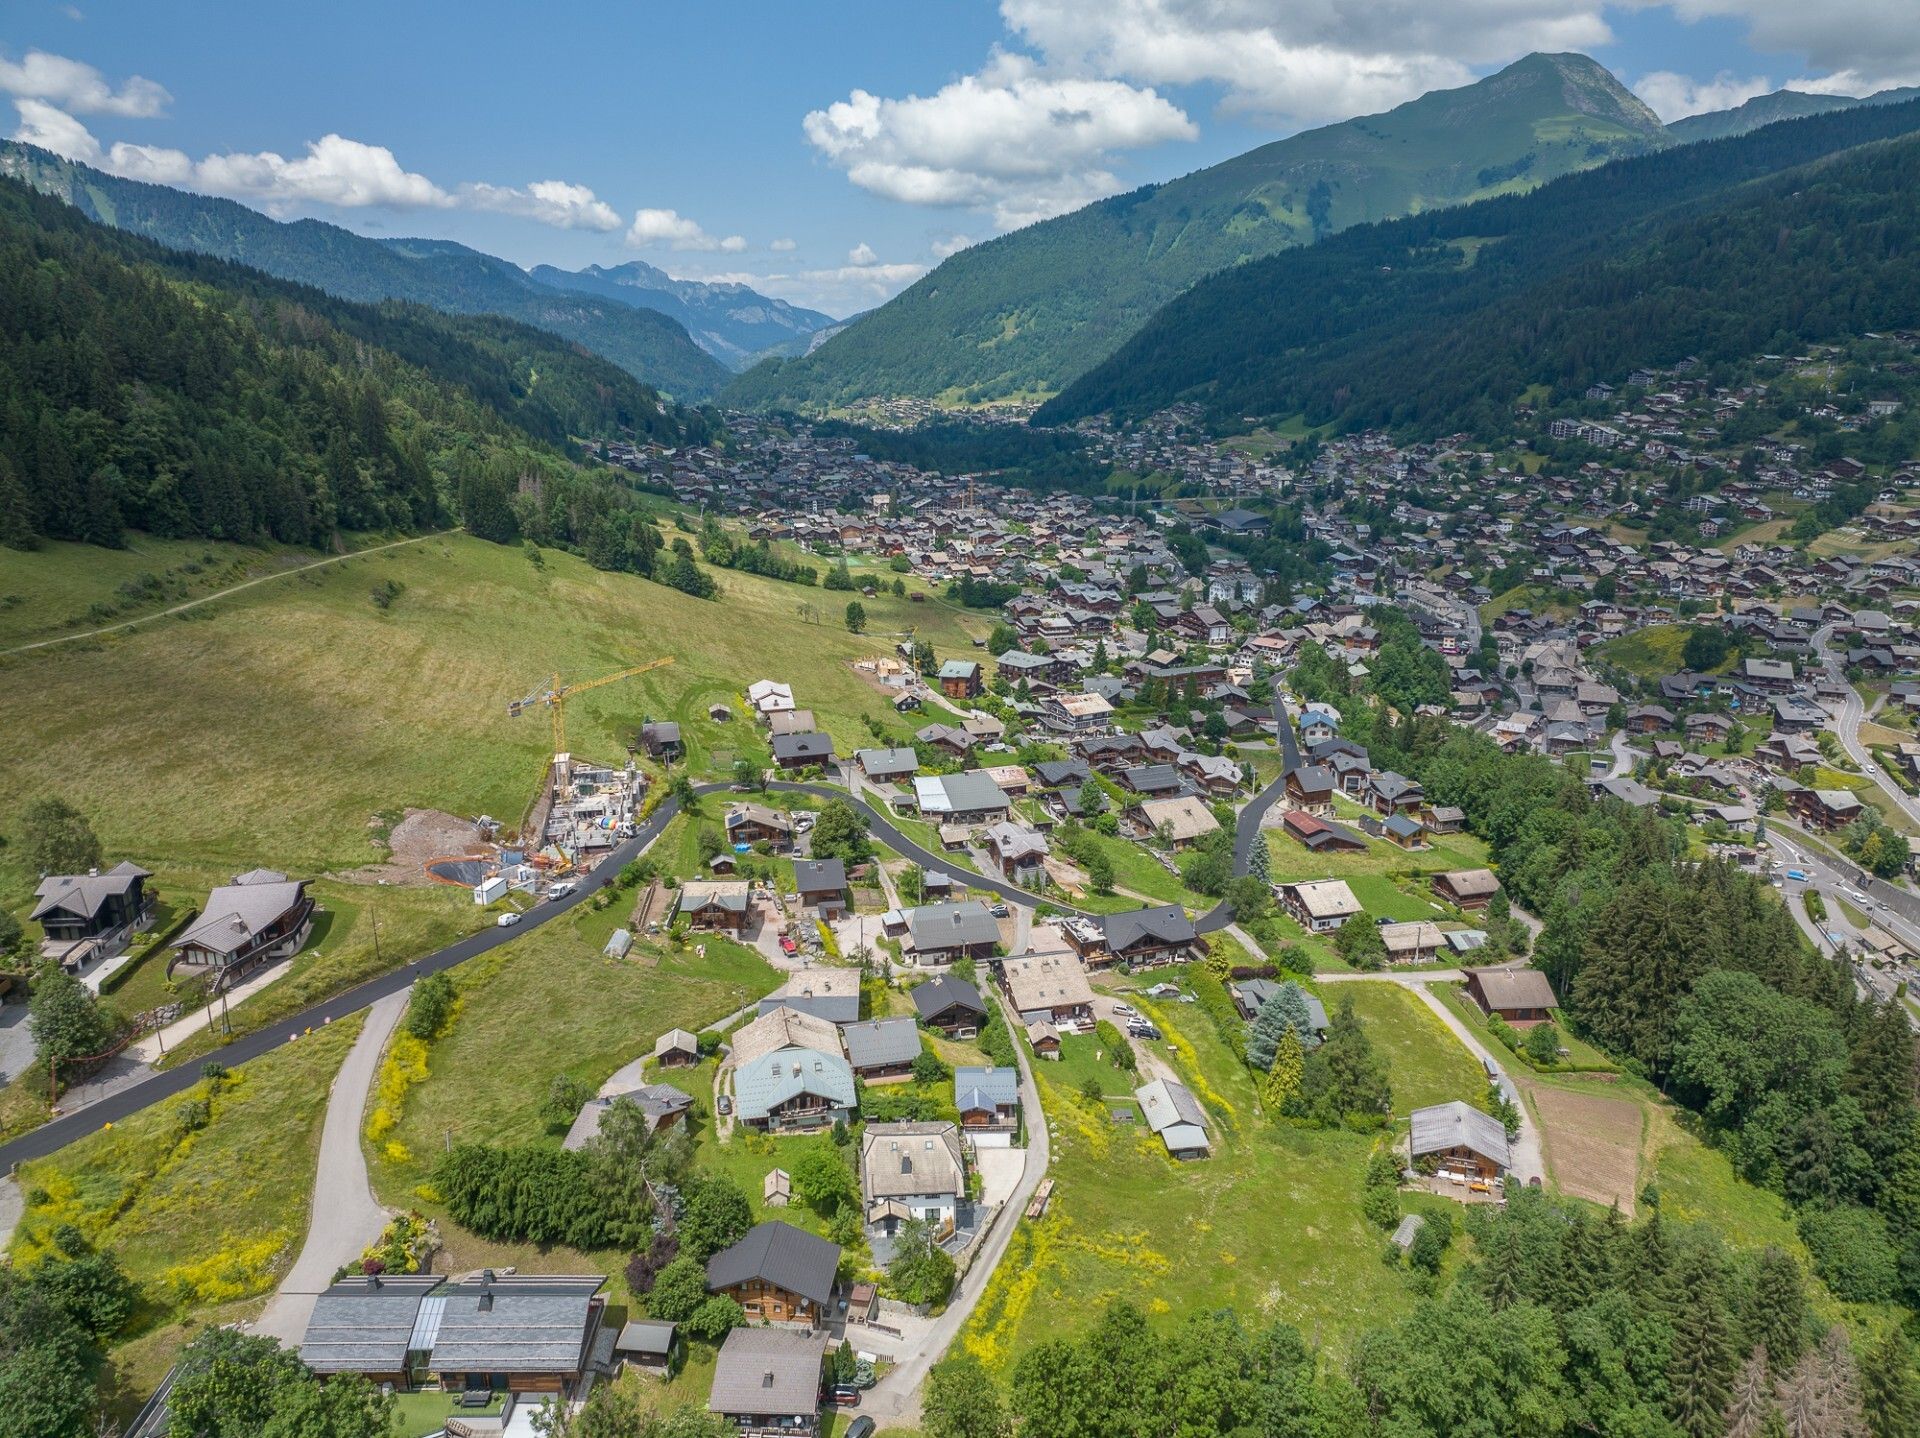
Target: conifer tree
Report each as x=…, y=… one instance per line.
x=1700, y=1372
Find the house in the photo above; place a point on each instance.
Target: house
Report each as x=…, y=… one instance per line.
x=1053, y=987
x=957, y=743
x=1250, y=996
x=882, y=1050
x=92, y=916
x=912, y=1171
x=1180, y=821
x=783, y=1028
x=960, y=679
x=1320, y=906
x=660, y=740
x=766, y=1382
x=676, y=1048
x=258, y=918
x=950, y=1005
x=662, y=1105
x=1021, y=854
x=829, y=994
x=1392, y=793
x=1405, y=832
x=1824, y=808
x=1520, y=996
x=520, y=1333
x=1446, y=819
x=1176, y=1118
x=1458, y=1138
x=1309, y=789
x=1706, y=728
x=821, y=885
x=1470, y=889
x=1320, y=836
x=794, y=1091
x=767, y=697
x=759, y=824
x=715, y=903
x=649, y=1345
x=966, y=798
x=887, y=766
x=1318, y=725
x=801, y=751
x=941, y=933
x=988, y=1101
x=1138, y=938
x=1044, y=1038
x=1648, y=719
x=1416, y=942
x=1076, y=713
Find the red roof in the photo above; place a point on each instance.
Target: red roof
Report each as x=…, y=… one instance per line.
x=1302, y=824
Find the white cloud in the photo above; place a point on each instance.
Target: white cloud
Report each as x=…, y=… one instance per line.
x=551, y=202
x=1674, y=97
x=862, y=254
x=52, y=128
x=782, y=246
x=1011, y=139
x=1852, y=47
x=951, y=245
x=334, y=171
x=78, y=88
x=673, y=229
x=836, y=290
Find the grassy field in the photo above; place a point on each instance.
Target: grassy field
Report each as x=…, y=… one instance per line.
x=1270, y=1225
x=275, y=726
x=1650, y=652
x=1428, y=1064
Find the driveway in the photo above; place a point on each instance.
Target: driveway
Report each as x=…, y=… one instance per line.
x=346, y=1216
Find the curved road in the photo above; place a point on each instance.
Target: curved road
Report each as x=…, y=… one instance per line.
x=59, y=1132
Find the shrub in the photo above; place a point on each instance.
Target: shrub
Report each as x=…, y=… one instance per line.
x=431, y=1008
x=1115, y=1044
x=1852, y=1253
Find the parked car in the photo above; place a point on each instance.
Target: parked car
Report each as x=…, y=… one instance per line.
x=999, y=911
x=562, y=889
x=506, y=921
x=723, y=1105
x=1126, y=1011
x=860, y=1428
x=843, y=1395
x=788, y=946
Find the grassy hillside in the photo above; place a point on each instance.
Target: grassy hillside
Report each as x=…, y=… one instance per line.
x=1026, y=313
x=440, y=274
x=1780, y=105
x=1440, y=321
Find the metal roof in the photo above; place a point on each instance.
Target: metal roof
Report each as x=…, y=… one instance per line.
x=873, y=1042
x=780, y=1254
x=976, y=1089
x=366, y=1325
x=1459, y=1125
x=773, y=1079
x=515, y=1323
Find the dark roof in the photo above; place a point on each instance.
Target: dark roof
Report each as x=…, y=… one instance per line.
x=1053, y=773
x=874, y=1042
x=812, y=745
x=1150, y=778
x=1167, y=924
x=780, y=1254
x=819, y=876
x=768, y=1372
x=936, y=996
x=1311, y=778
x=363, y=1325
x=515, y=1323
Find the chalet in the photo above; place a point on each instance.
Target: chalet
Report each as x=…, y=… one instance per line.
x=1648, y=719
x=649, y=1346
x=1150, y=780
x=1250, y=996
x=1181, y=821
x=1320, y=836
x=1318, y=725
x=1321, y=905
x=1392, y=793
x=1407, y=833
x=941, y=933
x=766, y=1382
x=887, y=766
x=92, y=916
x=1415, y=942
x=662, y=1105
x=802, y=751
x=661, y=740
x=956, y=743
x=519, y=1333
x=759, y=824
x=782, y=1028
x=258, y=918
x=778, y=1274
x=912, y=1171
x=676, y=1048
x=1824, y=808
x=794, y=1090
x=1458, y=1138
x=821, y=885
x=832, y=995
x=1053, y=987
x=1309, y=789
x=791, y=721
x=1061, y=773
x=1036, y=669
x=1446, y=819
x=960, y=679
x=715, y=904
x=1076, y=713
x=950, y=1005
x=1469, y=889
x=988, y=1101
x=1520, y=996
x=1175, y=1117
x=767, y=697
x=1021, y=854
x=966, y=798
x=1044, y=1039
x=1137, y=938
x=882, y=1050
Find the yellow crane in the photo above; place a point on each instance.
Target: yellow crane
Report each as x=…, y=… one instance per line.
x=554, y=695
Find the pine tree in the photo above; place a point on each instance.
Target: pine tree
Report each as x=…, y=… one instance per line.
x=1284, y=1012
x=1887, y=1391
x=1283, y=1078
x=1500, y=1269
x=1839, y=1388
x=1777, y=1320
x=1752, y=1399
x=16, y=510
x=1700, y=1372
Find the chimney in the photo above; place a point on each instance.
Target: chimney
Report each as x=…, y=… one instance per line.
x=486, y=1301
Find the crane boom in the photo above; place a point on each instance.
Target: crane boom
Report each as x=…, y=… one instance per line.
x=554, y=695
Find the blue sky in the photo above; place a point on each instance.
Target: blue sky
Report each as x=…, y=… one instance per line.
x=827, y=151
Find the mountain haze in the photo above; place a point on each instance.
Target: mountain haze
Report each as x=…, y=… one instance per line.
x=438, y=273
x=732, y=322
x=1026, y=313
x=1780, y=105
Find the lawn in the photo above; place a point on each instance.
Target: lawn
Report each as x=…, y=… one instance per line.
x=1428, y=1064
x=202, y=1217
x=1650, y=652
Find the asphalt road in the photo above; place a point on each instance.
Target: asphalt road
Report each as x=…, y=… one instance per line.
x=166, y=1083
x=1852, y=714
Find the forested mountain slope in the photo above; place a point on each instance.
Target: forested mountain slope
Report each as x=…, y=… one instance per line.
x=1028, y=312
x=1780, y=105
x=733, y=322
x=439, y=273
x=1439, y=322
x=149, y=388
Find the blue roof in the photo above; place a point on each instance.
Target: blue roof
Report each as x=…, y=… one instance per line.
x=986, y=1088
x=773, y=1079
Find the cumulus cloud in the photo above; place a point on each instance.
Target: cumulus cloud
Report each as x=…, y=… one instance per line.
x=863, y=255
x=78, y=88
x=782, y=246
x=1852, y=47
x=675, y=230
x=52, y=128
x=1022, y=143
x=951, y=245
x=551, y=202
x=1674, y=97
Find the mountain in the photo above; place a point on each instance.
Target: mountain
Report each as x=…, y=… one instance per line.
x=143, y=387
x=734, y=324
x=1026, y=313
x=439, y=273
x=1780, y=105
x=1439, y=322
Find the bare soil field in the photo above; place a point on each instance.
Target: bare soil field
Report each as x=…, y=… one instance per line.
x=421, y=836
x=1592, y=1143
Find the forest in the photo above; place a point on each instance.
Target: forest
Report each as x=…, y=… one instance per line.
x=1439, y=322
x=144, y=389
